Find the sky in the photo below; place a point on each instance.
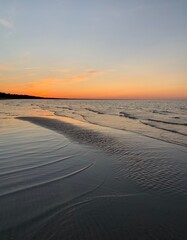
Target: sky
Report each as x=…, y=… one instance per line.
x=121, y=49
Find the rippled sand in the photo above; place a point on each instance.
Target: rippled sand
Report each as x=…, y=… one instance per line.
x=65, y=179
x=79, y=181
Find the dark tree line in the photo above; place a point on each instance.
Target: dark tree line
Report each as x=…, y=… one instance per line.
x=17, y=96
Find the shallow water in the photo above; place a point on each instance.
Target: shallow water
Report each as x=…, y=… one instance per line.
x=61, y=178
x=164, y=120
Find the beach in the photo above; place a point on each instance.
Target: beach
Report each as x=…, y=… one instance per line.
x=92, y=170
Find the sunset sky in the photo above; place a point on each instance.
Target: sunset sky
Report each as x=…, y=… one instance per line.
x=94, y=49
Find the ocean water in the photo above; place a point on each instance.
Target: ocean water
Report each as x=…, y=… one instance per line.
x=93, y=169
x=164, y=120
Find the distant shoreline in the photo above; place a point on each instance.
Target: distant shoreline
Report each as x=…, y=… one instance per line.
x=8, y=96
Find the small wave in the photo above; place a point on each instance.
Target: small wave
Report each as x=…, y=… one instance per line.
x=165, y=129
x=183, y=108
x=127, y=115
x=126, y=195
x=47, y=182
x=161, y=112
x=94, y=111
x=66, y=108
x=113, y=219
x=37, y=166
x=166, y=122
x=141, y=164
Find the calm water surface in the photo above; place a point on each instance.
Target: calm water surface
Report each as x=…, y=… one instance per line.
x=111, y=170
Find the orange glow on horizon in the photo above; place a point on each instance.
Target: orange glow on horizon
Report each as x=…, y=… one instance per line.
x=110, y=92
x=91, y=84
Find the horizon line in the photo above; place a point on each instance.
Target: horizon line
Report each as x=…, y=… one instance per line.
x=72, y=98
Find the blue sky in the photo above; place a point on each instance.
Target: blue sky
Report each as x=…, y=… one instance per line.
x=116, y=38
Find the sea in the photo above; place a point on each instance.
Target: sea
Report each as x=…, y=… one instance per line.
x=93, y=169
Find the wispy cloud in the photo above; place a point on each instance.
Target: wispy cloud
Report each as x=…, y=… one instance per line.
x=60, y=70
x=8, y=68
x=5, y=23
x=29, y=68
x=67, y=71
x=48, y=84
x=65, y=80
x=93, y=72
x=5, y=68
x=52, y=82
x=74, y=78
x=68, y=76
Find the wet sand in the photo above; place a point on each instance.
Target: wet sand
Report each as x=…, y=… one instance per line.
x=63, y=179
